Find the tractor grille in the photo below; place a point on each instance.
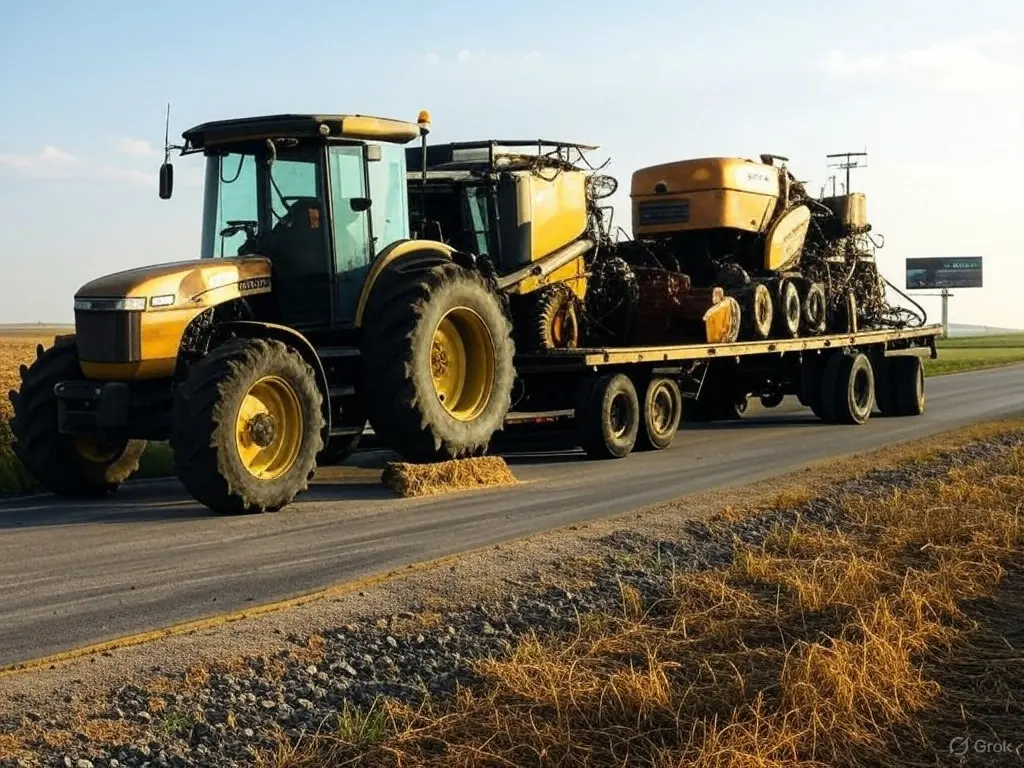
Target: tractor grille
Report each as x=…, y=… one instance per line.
x=659, y=212
x=109, y=336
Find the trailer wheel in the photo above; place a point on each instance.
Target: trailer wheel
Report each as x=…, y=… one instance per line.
x=608, y=416
x=830, y=378
x=906, y=381
x=660, y=415
x=854, y=394
x=883, y=386
x=719, y=407
x=811, y=373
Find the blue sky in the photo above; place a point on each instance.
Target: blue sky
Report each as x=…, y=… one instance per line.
x=935, y=94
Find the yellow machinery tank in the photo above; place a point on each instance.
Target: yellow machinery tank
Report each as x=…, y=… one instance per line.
x=795, y=264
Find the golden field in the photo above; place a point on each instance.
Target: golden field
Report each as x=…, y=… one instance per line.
x=17, y=347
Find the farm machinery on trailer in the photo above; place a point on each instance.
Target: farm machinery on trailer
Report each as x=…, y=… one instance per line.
x=439, y=293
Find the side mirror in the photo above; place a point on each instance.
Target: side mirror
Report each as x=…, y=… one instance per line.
x=360, y=203
x=166, y=181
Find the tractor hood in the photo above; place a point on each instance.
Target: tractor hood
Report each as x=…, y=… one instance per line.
x=179, y=284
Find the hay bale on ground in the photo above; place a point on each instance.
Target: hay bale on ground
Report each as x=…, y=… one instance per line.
x=445, y=476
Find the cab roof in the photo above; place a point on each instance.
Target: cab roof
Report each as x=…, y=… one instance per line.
x=357, y=127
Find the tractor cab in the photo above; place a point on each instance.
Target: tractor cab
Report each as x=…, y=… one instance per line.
x=515, y=202
x=319, y=195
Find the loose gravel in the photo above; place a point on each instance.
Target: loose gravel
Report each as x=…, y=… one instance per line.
x=219, y=722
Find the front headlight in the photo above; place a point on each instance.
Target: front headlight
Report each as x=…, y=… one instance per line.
x=162, y=301
x=130, y=304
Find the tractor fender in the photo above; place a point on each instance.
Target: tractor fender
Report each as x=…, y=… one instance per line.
x=255, y=329
x=390, y=258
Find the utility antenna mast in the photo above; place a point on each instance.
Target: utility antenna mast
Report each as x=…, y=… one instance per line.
x=848, y=163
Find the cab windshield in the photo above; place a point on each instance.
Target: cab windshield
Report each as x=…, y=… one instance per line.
x=245, y=199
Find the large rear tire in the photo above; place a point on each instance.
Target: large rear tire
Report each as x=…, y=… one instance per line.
x=73, y=466
x=248, y=425
x=437, y=362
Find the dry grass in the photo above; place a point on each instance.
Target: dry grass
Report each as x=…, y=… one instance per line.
x=442, y=477
x=16, y=351
x=859, y=647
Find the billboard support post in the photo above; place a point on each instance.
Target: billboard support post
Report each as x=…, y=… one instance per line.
x=945, y=312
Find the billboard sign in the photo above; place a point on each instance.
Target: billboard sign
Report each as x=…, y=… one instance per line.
x=953, y=272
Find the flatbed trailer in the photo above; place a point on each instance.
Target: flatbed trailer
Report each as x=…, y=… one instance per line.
x=625, y=398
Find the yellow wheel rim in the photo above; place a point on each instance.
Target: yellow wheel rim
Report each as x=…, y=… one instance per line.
x=269, y=428
x=462, y=363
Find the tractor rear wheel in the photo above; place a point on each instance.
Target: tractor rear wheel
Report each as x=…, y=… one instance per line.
x=248, y=426
x=437, y=362
x=74, y=466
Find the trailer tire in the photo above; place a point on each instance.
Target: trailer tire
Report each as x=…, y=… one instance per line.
x=830, y=378
x=906, y=385
x=884, y=400
x=855, y=390
x=608, y=416
x=811, y=373
x=660, y=415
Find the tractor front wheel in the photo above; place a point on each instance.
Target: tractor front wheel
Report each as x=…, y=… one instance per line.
x=437, y=362
x=248, y=426
x=74, y=466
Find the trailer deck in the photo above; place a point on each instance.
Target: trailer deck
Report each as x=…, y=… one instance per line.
x=917, y=341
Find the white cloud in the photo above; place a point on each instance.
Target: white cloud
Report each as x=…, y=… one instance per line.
x=136, y=147
x=973, y=63
x=53, y=163
x=125, y=174
x=48, y=159
x=468, y=58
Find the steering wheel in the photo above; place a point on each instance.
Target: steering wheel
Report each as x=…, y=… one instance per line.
x=234, y=227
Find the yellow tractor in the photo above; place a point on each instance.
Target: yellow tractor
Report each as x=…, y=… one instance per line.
x=311, y=311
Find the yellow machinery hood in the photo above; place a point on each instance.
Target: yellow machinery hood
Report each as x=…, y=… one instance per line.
x=196, y=282
x=130, y=324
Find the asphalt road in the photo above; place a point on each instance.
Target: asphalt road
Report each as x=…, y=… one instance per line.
x=73, y=574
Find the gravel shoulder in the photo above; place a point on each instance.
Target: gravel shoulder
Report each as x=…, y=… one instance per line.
x=208, y=697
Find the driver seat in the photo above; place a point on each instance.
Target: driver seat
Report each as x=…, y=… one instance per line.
x=297, y=248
